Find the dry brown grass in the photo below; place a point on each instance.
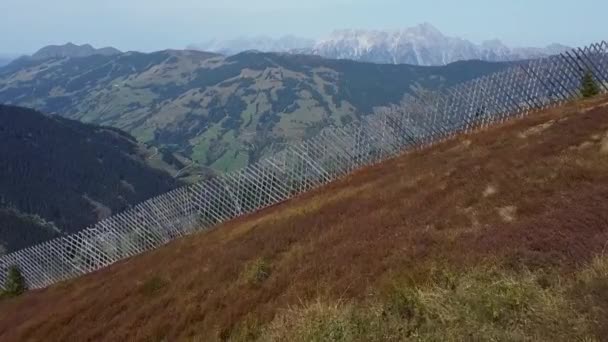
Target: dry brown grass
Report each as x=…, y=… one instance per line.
x=483, y=304
x=343, y=241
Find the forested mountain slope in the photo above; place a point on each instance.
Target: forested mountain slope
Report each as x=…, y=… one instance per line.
x=59, y=175
x=222, y=112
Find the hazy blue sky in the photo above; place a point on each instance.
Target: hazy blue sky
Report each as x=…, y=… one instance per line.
x=26, y=25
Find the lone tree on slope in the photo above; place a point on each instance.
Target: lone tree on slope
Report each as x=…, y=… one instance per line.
x=589, y=87
x=15, y=283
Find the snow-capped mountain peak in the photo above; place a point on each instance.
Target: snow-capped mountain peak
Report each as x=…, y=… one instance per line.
x=420, y=45
x=259, y=43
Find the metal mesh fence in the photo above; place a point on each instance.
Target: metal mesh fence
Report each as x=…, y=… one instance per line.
x=419, y=121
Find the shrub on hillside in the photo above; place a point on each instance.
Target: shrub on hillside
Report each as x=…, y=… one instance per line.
x=257, y=271
x=15, y=283
x=589, y=87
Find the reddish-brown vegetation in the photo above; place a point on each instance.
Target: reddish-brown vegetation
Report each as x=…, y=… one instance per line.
x=530, y=193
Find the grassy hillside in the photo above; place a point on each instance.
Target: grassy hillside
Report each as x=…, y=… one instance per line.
x=58, y=176
x=222, y=112
x=498, y=235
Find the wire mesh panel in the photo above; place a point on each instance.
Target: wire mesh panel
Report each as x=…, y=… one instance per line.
x=427, y=118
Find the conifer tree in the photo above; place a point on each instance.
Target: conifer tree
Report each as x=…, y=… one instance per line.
x=589, y=87
x=15, y=283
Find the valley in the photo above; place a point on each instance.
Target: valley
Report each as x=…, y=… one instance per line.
x=222, y=112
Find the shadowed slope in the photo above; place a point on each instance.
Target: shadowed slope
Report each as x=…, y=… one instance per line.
x=58, y=176
x=532, y=193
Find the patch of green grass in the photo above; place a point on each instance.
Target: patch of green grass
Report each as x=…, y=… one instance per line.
x=199, y=151
x=202, y=144
x=144, y=133
x=248, y=117
x=256, y=271
x=240, y=160
x=233, y=158
x=230, y=161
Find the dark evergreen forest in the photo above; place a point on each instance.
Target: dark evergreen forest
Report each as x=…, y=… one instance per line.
x=58, y=176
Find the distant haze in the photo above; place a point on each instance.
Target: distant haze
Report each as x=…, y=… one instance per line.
x=147, y=25
x=422, y=44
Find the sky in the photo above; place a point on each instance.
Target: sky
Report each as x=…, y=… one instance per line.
x=149, y=25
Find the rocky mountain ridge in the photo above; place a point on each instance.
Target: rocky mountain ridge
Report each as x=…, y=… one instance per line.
x=419, y=45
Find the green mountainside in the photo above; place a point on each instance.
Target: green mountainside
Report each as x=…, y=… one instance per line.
x=222, y=112
x=58, y=176
x=72, y=50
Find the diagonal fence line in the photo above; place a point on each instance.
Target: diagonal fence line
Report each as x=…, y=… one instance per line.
x=418, y=122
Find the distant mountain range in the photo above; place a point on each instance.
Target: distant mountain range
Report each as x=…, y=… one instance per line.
x=72, y=50
x=419, y=45
x=58, y=176
x=223, y=112
x=260, y=43
x=6, y=59
x=61, y=51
